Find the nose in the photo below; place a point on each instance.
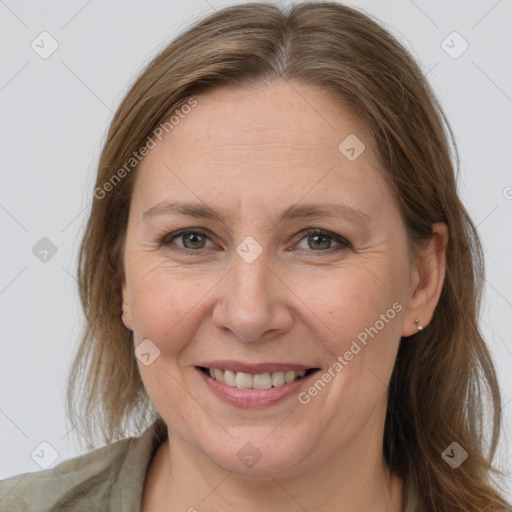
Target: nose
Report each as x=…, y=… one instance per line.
x=252, y=304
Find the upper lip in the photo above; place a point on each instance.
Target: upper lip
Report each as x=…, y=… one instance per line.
x=240, y=366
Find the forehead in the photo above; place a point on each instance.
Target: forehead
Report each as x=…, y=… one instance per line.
x=264, y=138
x=285, y=117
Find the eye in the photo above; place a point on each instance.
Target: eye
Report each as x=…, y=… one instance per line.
x=191, y=239
x=321, y=240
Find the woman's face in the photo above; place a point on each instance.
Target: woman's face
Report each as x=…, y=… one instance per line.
x=249, y=288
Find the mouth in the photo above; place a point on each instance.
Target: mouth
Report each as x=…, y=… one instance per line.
x=254, y=387
x=246, y=380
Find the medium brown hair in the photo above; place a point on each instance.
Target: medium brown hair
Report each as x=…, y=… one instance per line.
x=436, y=392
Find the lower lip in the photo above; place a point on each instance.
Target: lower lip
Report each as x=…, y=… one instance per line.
x=254, y=398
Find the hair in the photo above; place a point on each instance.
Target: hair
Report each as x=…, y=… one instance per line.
x=436, y=393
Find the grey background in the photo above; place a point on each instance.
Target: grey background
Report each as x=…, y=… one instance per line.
x=54, y=115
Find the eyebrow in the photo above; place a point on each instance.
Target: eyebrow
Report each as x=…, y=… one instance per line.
x=297, y=211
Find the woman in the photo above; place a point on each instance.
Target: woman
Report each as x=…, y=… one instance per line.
x=279, y=276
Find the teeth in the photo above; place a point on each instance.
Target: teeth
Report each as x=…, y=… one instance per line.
x=277, y=379
x=229, y=378
x=243, y=380
x=262, y=381
x=289, y=376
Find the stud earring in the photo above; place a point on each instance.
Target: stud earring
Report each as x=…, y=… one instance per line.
x=418, y=324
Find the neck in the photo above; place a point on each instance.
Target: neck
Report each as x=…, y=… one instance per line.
x=355, y=480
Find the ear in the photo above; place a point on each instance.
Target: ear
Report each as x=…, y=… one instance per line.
x=126, y=315
x=427, y=278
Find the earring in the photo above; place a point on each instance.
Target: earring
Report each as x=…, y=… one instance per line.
x=124, y=313
x=418, y=324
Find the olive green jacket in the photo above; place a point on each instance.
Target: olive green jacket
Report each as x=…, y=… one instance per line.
x=108, y=479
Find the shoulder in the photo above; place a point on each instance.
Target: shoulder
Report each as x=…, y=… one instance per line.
x=86, y=475
x=84, y=483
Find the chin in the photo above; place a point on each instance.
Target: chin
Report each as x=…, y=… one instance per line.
x=254, y=460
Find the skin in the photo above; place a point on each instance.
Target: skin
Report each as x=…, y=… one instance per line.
x=251, y=152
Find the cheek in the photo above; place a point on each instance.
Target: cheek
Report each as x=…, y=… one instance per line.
x=345, y=303
x=162, y=293
x=355, y=314
x=164, y=303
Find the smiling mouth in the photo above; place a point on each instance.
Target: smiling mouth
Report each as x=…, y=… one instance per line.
x=243, y=380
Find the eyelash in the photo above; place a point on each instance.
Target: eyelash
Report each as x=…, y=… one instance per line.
x=166, y=240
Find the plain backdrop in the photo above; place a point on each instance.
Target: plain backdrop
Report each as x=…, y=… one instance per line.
x=54, y=114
